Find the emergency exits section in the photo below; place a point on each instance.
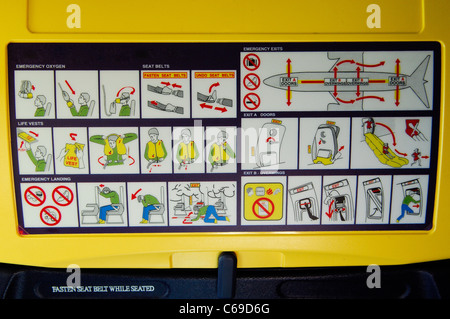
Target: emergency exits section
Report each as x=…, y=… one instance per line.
x=221, y=137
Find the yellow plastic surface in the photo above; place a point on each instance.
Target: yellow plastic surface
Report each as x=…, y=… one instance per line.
x=223, y=21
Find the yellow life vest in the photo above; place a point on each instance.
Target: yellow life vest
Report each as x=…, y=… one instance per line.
x=219, y=153
x=187, y=151
x=121, y=149
x=155, y=150
x=71, y=158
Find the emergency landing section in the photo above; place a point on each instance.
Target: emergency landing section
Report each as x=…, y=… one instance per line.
x=85, y=140
x=353, y=81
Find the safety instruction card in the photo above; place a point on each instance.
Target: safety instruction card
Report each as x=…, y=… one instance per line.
x=224, y=137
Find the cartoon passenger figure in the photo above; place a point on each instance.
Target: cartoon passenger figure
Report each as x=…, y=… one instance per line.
x=155, y=151
x=41, y=108
x=115, y=150
x=115, y=202
x=38, y=158
x=83, y=99
x=187, y=151
x=149, y=202
x=209, y=214
x=124, y=100
x=221, y=151
x=412, y=199
x=416, y=155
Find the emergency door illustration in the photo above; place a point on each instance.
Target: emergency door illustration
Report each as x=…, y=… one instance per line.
x=304, y=204
x=269, y=144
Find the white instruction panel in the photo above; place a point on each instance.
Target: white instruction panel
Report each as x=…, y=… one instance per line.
x=224, y=137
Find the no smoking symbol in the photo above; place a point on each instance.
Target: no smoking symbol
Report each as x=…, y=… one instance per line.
x=252, y=101
x=50, y=216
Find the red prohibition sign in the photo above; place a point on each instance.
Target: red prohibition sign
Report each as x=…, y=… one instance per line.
x=50, y=215
x=62, y=196
x=252, y=81
x=32, y=196
x=261, y=206
x=251, y=62
x=252, y=101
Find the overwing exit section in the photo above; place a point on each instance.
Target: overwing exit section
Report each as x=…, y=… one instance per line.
x=350, y=81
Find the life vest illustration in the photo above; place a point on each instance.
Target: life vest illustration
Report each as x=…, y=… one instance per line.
x=120, y=146
x=156, y=150
x=269, y=143
x=187, y=151
x=219, y=153
x=71, y=158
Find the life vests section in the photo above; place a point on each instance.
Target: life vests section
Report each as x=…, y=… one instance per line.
x=237, y=137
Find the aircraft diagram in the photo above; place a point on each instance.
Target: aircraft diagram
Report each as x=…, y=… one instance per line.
x=351, y=81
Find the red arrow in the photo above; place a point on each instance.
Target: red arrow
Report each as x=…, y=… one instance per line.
x=357, y=91
x=133, y=196
x=335, y=93
x=204, y=105
x=371, y=65
x=213, y=86
x=288, y=61
x=222, y=109
x=335, y=72
x=312, y=81
x=176, y=86
x=346, y=61
x=416, y=206
x=166, y=83
x=404, y=154
x=185, y=221
x=73, y=92
x=425, y=157
x=330, y=213
x=397, y=67
x=33, y=88
x=289, y=96
x=358, y=69
x=132, y=90
x=370, y=97
x=154, y=102
x=35, y=134
x=344, y=101
x=397, y=96
x=389, y=129
x=341, y=148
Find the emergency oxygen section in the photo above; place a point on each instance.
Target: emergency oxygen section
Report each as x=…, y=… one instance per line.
x=294, y=136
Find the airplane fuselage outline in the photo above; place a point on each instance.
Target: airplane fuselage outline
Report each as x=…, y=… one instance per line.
x=326, y=81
